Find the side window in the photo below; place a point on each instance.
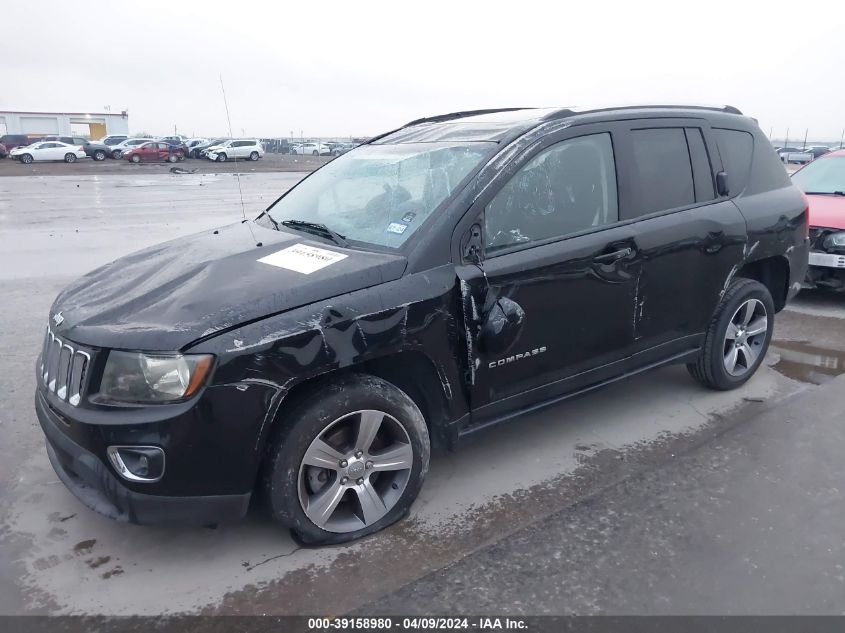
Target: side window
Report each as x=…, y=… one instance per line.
x=702, y=173
x=664, y=171
x=566, y=188
x=735, y=147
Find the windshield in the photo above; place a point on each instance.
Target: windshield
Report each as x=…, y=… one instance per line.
x=381, y=194
x=826, y=175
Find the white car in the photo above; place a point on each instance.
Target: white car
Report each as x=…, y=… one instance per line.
x=130, y=143
x=315, y=149
x=48, y=150
x=236, y=148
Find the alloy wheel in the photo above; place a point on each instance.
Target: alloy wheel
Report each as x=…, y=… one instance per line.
x=745, y=337
x=355, y=471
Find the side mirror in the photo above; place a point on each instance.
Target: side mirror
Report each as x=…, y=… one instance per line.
x=722, y=186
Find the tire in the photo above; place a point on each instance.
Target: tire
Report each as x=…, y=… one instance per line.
x=70, y=158
x=117, y=154
x=26, y=159
x=338, y=415
x=221, y=158
x=729, y=341
x=135, y=159
x=99, y=155
x=172, y=158
x=315, y=153
x=253, y=156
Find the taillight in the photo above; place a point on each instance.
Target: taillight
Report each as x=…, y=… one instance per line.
x=81, y=149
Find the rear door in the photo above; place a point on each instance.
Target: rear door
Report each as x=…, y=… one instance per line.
x=556, y=254
x=690, y=237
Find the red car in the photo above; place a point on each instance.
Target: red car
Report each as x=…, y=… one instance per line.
x=156, y=151
x=823, y=181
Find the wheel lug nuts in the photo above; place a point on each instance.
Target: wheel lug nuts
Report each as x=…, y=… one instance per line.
x=359, y=453
x=369, y=465
x=343, y=480
x=360, y=481
x=343, y=463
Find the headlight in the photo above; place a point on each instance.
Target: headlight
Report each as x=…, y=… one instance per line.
x=138, y=377
x=835, y=240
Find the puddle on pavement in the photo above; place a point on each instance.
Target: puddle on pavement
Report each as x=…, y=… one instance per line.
x=807, y=363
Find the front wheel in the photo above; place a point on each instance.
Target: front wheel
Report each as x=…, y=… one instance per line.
x=738, y=336
x=135, y=159
x=70, y=158
x=253, y=156
x=349, y=463
x=221, y=158
x=99, y=155
x=172, y=158
x=117, y=154
x=26, y=159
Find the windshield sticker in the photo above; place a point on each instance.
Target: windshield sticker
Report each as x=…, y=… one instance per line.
x=409, y=217
x=302, y=258
x=396, y=227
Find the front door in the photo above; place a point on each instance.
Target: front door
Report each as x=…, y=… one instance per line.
x=550, y=308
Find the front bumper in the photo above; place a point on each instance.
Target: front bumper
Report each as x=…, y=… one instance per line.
x=94, y=484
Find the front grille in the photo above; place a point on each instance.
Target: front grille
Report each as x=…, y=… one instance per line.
x=64, y=367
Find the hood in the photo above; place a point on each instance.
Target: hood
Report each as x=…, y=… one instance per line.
x=827, y=211
x=167, y=296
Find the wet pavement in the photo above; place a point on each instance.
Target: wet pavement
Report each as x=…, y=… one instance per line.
x=631, y=483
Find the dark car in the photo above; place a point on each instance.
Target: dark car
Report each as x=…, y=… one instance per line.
x=11, y=141
x=97, y=151
x=3, y=151
x=440, y=278
x=198, y=151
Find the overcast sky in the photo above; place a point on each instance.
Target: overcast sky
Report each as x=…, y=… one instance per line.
x=357, y=68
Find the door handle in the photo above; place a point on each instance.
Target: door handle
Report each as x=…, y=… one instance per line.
x=605, y=258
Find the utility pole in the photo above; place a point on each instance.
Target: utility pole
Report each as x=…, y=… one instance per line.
x=841, y=138
x=805, y=139
x=786, y=140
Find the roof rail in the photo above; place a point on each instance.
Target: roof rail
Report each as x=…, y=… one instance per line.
x=461, y=115
x=564, y=112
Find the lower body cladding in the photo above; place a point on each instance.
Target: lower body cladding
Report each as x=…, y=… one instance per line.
x=826, y=270
x=198, y=467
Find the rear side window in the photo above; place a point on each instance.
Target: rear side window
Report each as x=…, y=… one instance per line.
x=664, y=170
x=736, y=148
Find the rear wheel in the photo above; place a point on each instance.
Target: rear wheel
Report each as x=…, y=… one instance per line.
x=70, y=158
x=350, y=463
x=738, y=336
x=26, y=159
x=99, y=155
x=117, y=154
x=253, y=156
x=315, y=153
x=172, y=158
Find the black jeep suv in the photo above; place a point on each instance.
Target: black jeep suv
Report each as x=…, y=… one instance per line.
x=440, y=278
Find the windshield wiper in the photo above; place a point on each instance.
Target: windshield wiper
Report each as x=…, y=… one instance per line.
x=316, y=228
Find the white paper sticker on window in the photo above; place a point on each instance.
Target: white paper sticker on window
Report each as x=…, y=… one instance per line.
x=302, y=258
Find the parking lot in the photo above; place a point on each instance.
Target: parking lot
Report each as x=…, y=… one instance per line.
x=549, y=489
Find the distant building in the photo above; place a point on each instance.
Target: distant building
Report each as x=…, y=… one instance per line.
x=90, y=124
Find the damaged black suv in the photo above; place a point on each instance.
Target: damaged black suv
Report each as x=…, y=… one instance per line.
x=438, y=279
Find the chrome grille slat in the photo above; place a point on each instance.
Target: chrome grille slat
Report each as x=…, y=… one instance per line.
x=63, y=368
